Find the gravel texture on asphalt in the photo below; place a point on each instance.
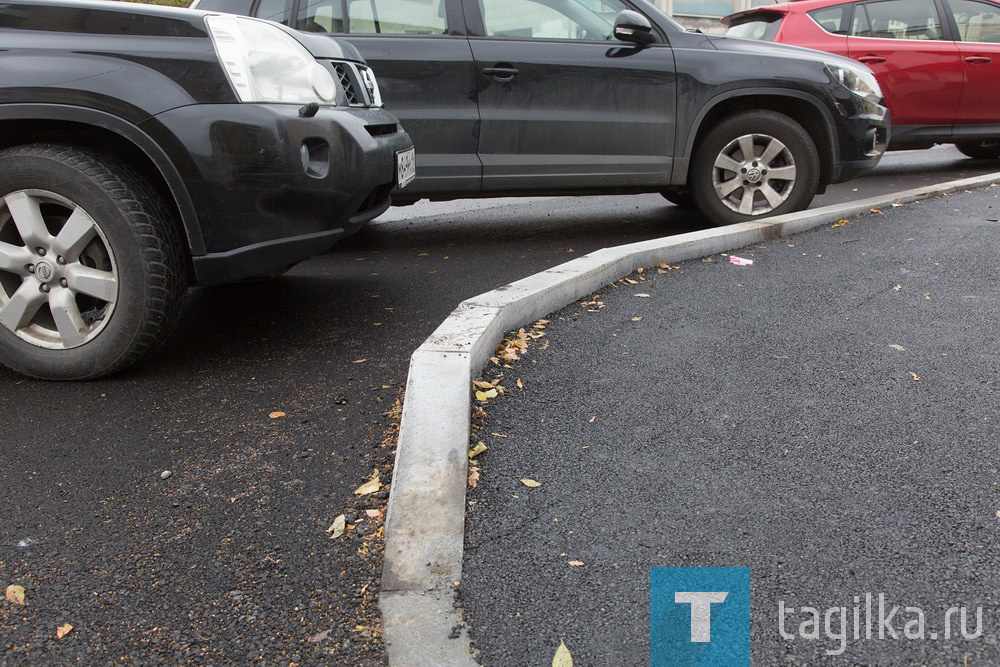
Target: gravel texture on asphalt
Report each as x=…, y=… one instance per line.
x=179, y=515
x=827, y=417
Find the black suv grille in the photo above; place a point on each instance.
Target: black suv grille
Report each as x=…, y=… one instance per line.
x=351, y=92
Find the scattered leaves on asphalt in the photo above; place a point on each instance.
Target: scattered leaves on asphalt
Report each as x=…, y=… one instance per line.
x=477, y=450
x=15, y=594
x=63, y=630
x=336, y=528
x=562, y=658
x=369, y=487
x=530, y=483
x=839, y=223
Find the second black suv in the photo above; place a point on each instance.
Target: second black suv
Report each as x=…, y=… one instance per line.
x=144, y=149
x=529, y=97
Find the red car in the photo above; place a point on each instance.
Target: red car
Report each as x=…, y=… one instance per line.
x=937, y=61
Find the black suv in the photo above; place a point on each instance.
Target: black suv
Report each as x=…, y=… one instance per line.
x=529, y=97
x=145, y=149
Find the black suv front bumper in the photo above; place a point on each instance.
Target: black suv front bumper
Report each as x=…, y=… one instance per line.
x=271, y=185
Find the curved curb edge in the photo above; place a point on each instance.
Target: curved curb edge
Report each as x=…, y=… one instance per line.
x=425, y=520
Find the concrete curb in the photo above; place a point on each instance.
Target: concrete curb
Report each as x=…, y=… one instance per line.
x=425, y=520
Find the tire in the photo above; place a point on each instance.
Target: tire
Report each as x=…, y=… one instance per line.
x=680, y=198
x=781, y=175
x=93, y=270
x=981, y=150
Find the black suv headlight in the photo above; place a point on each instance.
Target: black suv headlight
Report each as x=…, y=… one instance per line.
x=857, y=79
x=266, y=64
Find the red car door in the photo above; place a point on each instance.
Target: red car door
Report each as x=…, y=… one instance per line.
x=978, y=25
x=921, y=73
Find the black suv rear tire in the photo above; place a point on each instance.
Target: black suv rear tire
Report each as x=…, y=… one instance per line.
x=92, y=266
x=781, y=175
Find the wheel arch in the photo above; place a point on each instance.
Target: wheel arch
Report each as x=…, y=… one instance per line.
x=110, y=136
x=803, y=108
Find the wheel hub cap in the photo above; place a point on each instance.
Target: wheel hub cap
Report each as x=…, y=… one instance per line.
x=753, y=175
x=44, y=271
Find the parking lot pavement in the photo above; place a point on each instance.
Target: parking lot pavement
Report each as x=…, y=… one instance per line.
x=826, y=417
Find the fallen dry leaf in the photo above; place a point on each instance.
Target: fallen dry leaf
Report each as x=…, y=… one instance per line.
x=562, y=658
x=486, y=395
x=336, y=528
x=898, y=347
x=530, y=483
x=916, y=378
x=591, y=420
x=277, y=415
x=642, y=295
x=637, y=319
x=477, y=450
x=374, y=514
x=15, y=594
x=63, y=630
x=359, y=361
x=575, y=563
x=483, y=384
x=369, y=487
x=473, y=477
x=520, y=385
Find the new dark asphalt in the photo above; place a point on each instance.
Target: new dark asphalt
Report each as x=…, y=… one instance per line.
x=827, y=417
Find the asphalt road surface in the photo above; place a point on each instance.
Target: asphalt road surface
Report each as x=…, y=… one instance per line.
x=227, y=559
x=825, y=418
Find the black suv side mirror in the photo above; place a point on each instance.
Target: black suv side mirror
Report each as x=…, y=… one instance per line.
x=633, y=27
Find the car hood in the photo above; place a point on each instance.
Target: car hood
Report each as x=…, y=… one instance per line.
x=754, y=47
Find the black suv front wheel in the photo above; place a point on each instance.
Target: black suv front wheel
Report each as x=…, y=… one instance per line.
x=755, y=164
x=92, y=271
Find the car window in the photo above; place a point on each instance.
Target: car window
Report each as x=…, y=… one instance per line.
x=832, y=19
x=977, y=21
x=549, y=19
x=368, y=17
x=897, y=19
x=272, y=10
x=761, y=26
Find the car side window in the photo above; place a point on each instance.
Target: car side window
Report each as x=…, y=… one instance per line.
x=832, y=19
x=977, y=21
x=542, y=19
x=272, y=10
x=369, y=17
x=897, y=19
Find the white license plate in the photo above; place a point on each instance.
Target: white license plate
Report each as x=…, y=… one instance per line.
x=406, y=166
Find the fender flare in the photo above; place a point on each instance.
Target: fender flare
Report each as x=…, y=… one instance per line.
x=816, y=103
x=134, y=135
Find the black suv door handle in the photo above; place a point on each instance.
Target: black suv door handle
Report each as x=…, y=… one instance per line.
x=502, y=72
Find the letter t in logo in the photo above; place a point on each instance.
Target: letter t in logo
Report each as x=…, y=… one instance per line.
x=701, y=612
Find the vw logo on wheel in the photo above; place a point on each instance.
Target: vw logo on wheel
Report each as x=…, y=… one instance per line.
x=753, y=175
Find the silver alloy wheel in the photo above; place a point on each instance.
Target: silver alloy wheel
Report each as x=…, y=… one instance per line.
x=754, y=174
x=58, y=277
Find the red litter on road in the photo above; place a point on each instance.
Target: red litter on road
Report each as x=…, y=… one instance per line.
x=739, y=261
